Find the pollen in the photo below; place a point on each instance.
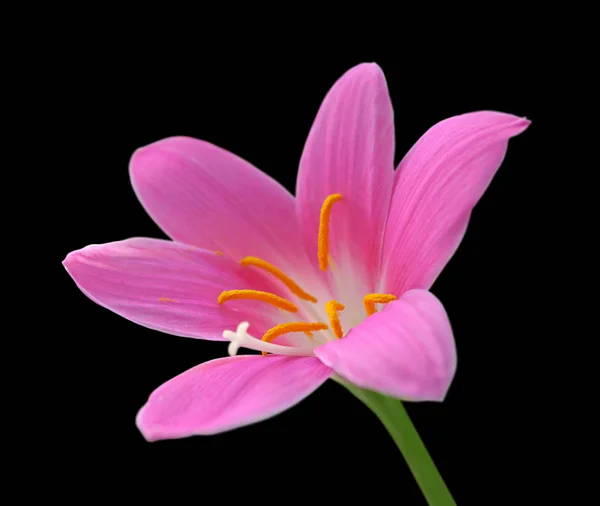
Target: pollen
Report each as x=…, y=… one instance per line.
x=270, y=298
x=370, y=300
x=167, y=299
x=323, y=239
x=286, y=280
x=332, y=308
x=287, y=328
x=220, y=253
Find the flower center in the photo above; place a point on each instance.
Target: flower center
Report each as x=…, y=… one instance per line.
x=307, y=343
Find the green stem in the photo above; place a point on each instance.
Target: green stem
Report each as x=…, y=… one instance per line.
x=394, y=417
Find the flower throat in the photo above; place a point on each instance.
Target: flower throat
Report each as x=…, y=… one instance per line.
x=332, y=307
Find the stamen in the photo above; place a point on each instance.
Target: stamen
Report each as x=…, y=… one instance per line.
x=332, y=308
x=286, y=280
x=271, y=298
x=370, y=300
x=286, y=328
x=323, y=240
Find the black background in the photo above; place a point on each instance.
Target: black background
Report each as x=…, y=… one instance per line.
x=484, y=437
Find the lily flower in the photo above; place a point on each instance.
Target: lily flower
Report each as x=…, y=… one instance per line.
x=332, y=283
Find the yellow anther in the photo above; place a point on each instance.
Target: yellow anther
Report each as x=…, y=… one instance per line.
x=370, y=300
x=220, y=253
x=323, y=241
x=271, y=298
x=332, y=308
x=286, y=328
x=286, y=280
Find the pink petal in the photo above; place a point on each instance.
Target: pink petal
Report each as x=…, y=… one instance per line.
x=202, y=195
x=437, y=184
x=405, y=351
x=350, y=150
x=169, y=287
x=223, y=394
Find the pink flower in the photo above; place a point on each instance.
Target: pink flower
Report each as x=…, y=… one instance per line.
x=332, y=282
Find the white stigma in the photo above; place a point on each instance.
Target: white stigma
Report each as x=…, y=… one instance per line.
x=237, y=338
x=241, y=339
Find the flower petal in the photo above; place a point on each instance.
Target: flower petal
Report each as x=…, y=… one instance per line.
x=202, y=195
x=405, y=351
x=168, y=286
x=226, y=393
x=436, y=186
x=350, y=150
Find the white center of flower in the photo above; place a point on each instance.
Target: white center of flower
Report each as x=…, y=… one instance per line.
x=302, y=337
